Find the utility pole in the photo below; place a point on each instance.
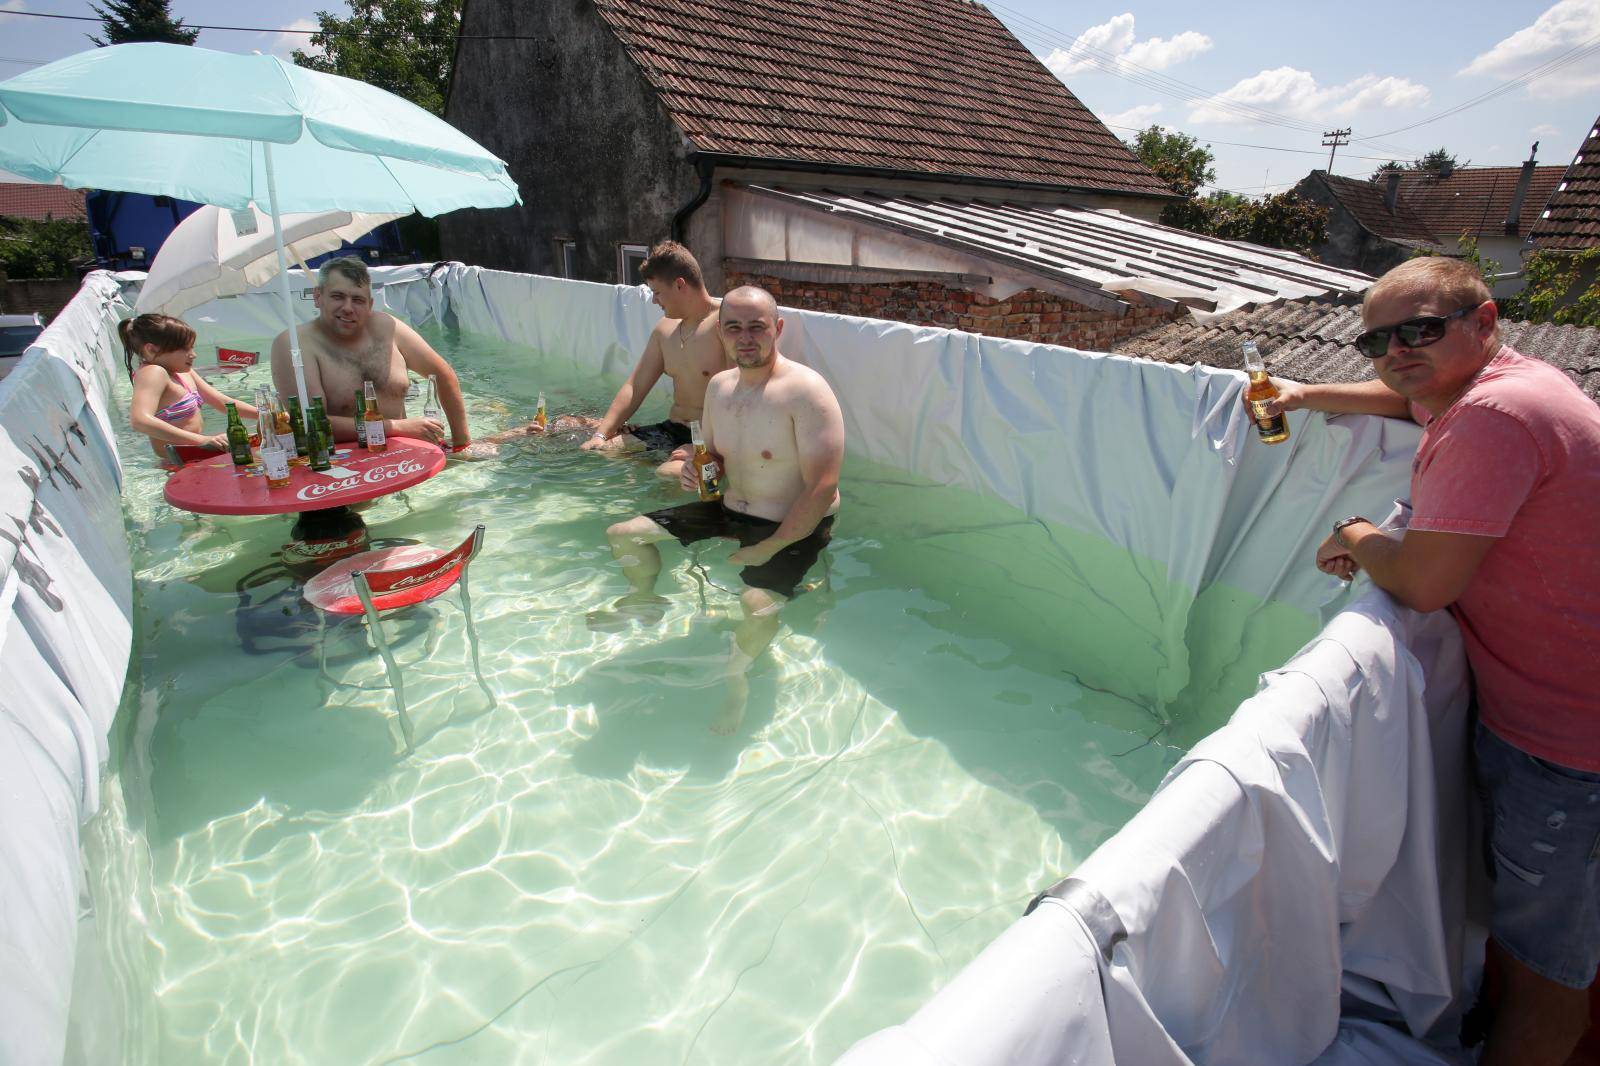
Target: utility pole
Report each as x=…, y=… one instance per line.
x=1334, y=140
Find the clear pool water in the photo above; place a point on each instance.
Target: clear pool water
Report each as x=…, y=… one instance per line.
x=581, y=872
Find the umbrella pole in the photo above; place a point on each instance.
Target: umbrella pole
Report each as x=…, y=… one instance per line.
x=283, y=285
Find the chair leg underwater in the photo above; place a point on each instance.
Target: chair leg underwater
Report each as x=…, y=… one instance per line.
x=472, y=638
x=375, y=627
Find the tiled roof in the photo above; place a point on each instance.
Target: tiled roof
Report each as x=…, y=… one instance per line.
x=38, y=202
x=1364, y=201
x=1309, y=340
x=932, y=87
x=1474, y=199
x=1572, y=218
x=1094, y=251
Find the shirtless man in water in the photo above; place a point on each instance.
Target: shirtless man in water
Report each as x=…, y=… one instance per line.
x=348, y=344
x=775, y=427
x=684, y=346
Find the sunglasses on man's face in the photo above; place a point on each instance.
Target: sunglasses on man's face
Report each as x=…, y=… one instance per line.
x=1416, y=332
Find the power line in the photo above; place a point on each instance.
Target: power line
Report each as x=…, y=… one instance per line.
x=1263, y=147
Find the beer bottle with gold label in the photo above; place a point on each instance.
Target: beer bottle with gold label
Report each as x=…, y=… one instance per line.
x=377, y=438
x=1274, y=429
x=238, y=438
x=707, y=471
x=540, y=419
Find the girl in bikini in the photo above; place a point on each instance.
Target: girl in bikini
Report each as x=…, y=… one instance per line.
x=167, y=393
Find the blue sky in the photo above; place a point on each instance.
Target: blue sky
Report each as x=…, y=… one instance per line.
x=1254, y=74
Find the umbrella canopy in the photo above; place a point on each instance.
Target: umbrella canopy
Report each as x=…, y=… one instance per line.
x=229, y=129
x=175, y=120
x=205, y=257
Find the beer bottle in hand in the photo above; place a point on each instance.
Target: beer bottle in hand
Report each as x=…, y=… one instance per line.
x=361, y=418
x=238, y=438
x=1274, y=429
x=377, y=439
x=707, y=472
x=539, y=417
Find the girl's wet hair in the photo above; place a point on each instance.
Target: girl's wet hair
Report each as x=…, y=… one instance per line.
x=167, y=333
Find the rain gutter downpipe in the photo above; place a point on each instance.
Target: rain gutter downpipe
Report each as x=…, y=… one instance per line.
x=680, y=221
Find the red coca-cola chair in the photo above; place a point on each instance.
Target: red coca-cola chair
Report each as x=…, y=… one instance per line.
x=390, y=579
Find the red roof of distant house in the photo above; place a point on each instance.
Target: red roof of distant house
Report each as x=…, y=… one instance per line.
x=1365, y=202
x=1475, y=200
x=934, y=87
x=39, y=202
x=1572, y=218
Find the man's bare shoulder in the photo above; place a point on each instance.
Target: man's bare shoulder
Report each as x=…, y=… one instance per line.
x=803, y=385
x=723, y=381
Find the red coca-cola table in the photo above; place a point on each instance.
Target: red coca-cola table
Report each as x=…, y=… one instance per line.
x=213, y=486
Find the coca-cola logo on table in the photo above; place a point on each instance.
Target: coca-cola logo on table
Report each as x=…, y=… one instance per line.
x=375, y=476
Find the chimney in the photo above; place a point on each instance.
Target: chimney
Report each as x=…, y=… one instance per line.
x=1514, y=212
x=1391, y=190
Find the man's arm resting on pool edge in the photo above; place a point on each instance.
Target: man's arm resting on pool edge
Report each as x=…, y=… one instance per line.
x=1425, y=570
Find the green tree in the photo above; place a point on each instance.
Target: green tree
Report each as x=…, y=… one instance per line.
x=404, y=46
x=132, y=21
x=1438, y=160
x=54, y=248
x=1561, y=287
x=1184, y=164
x=1281, y=221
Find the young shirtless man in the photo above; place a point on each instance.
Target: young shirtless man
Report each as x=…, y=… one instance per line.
x=775, y=427
x=683, y=346
x=348, y=344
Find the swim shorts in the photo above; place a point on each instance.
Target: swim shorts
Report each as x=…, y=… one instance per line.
x=1542, y=824
x=705, y=519
x=661, y=436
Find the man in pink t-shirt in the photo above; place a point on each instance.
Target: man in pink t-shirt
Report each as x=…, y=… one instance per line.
x=1505, y=532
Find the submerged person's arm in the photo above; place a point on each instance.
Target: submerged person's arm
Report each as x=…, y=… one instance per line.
x=652, y=364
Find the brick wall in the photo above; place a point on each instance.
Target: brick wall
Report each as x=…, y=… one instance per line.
x=1028, y=315
x=50, y=295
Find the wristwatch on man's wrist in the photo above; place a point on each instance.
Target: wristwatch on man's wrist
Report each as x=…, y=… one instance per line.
x=1339, y=527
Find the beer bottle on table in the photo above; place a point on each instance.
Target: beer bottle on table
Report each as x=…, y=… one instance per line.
x=283, y=428
x=377, y=438
x=297, y=425
x=1274, y=429
x=540, y=419
x=238, y=438
x=706, y=470
x=361, y=419
x=320, y=441
x=327, y=429
x=430, y=402
x=274, y=456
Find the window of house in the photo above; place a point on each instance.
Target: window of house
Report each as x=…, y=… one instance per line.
x=630, y=257
x=566, y=257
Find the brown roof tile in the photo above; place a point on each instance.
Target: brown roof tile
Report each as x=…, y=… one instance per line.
x=1571, y=220
x=1309, y=340
x=1475, y=199
x=39, y=202
x=935, y=87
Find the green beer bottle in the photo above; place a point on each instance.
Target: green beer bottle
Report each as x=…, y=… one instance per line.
x=297, y=418
x=361, y=419
x=321, y=441
x=238, y=439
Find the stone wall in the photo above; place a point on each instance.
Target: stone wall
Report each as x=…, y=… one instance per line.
x=50, y=295
x=1028, y=315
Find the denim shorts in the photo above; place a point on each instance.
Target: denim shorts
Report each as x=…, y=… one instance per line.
x=1542, y=847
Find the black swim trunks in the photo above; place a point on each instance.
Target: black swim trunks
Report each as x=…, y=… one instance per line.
x=705, y=519
x=661, y=436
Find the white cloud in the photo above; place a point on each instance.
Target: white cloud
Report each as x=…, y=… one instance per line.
x=1116, y=36
x=1544, y=129
x=1288, y=91
x=1562, y=26
x=14, y=5
x=282, y=44
x=1135, y=117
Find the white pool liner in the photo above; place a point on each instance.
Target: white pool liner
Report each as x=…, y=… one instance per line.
x=1305, y=839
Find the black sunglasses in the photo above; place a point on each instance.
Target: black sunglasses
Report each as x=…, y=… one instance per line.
x=1416, y=332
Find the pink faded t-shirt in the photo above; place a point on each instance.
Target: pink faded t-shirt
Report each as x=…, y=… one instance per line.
x=1517, y=458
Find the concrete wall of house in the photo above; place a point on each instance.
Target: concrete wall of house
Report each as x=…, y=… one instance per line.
x=594, y=155
x=1028, y=315
x=1349, y=244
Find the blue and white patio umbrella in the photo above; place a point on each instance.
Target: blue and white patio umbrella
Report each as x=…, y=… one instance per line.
x=231, y=130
